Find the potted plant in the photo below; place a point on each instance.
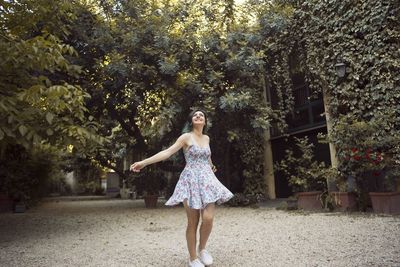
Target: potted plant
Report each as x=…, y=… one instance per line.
x=343, y=199
x=370, y=156
x=341, y=195
x=304, y=175
x=148, y=183
x=386, y=199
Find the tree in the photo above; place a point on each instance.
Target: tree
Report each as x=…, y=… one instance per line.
x=41, y=101
x=42, y=106
x=156, y=61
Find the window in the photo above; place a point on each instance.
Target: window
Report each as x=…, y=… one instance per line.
x=308, y=111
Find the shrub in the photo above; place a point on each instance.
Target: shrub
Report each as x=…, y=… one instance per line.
x=303, y=172
x=242, y=200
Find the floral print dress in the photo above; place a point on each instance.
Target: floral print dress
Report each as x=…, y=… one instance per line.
x=197, y=182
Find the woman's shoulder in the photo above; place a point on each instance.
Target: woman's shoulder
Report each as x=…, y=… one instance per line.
x=185, y=140
x=184, y=137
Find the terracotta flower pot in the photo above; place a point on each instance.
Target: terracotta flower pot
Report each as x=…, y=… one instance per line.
x=309, y=200
x=150, y=201
x=385, y=202
x=345, y=201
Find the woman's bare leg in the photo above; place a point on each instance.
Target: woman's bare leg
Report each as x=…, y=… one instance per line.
x=207, y=217
x=193, y=217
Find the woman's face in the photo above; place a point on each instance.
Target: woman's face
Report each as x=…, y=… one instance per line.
x=198, y=118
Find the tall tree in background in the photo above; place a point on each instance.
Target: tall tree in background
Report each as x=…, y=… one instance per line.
x=43, y=110
x=137, y=68
x=148, y=63
x=41, y=99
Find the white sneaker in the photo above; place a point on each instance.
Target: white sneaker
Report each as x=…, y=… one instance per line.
x=205, y=257
x=195, y=263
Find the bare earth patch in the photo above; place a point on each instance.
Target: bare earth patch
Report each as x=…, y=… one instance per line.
x=123, y=233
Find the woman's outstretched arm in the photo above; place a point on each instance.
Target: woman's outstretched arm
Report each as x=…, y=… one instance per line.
x=162, y=155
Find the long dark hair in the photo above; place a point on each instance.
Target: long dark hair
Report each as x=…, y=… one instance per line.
x=189, y=126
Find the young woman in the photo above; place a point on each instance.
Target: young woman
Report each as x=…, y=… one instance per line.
x=198, y=188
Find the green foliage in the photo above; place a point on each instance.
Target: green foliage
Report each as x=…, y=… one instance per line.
x=43, y=105
x=365, y=35
x=235, y=101
x=138, y=67
x=243, y=200
x=162, y=60
x=88, y=175
x=28, y=175
x=251, y=154
x=40, y=102
x=150, y=181
x=304, y=173
x=91, y=188
x=363, y=150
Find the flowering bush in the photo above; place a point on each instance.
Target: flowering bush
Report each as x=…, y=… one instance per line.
x=363, y=159
x=368, y=154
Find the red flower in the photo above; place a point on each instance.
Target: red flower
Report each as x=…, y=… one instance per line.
x=368, y=153
x=376, y=173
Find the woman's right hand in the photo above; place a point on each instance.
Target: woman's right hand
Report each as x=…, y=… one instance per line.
x=135, y=167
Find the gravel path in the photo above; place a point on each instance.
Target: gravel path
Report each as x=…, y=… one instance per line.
x=123, y=233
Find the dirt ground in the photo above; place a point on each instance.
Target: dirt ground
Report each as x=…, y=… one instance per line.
x=115, y=232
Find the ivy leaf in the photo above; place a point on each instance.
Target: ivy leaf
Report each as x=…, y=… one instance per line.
x=22, y=129
x=49, y=117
